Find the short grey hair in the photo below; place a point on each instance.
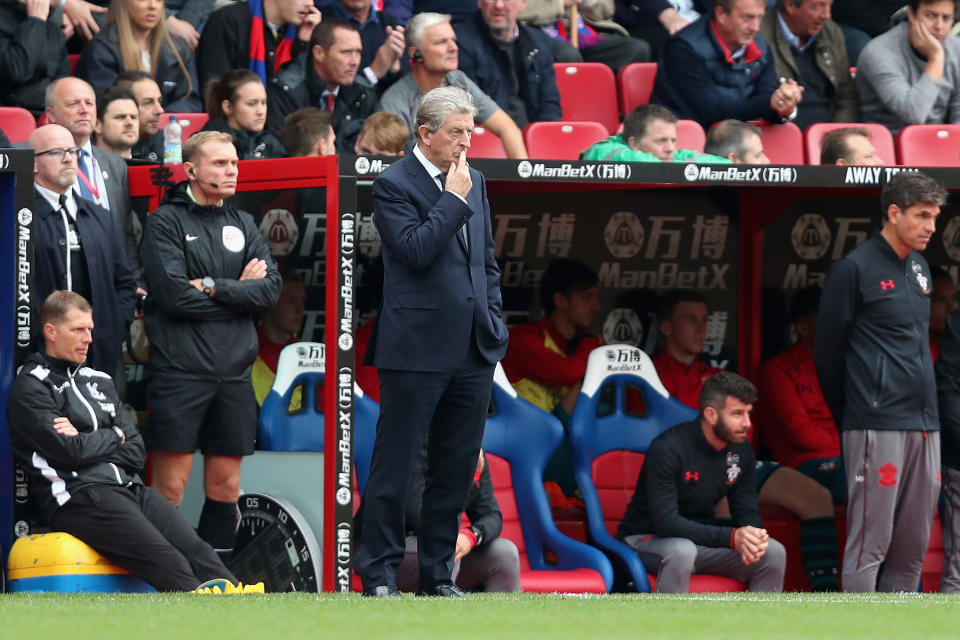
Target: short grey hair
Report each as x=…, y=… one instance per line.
x=418, y=24
x=438, y=103
x=727, y=138
x=50, y=95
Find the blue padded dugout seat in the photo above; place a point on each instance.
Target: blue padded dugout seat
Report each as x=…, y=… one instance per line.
x=621, y=408
x=519, y=439
x=300, y=367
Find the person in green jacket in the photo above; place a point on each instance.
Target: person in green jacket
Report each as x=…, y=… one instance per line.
x=649, y=135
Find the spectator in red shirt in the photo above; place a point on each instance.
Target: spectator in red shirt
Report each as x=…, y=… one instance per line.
x=546, y=360
x=683, y=324
x=278, y=328
x=798, y=427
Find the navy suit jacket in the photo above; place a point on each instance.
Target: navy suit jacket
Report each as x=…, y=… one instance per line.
x=437, y=295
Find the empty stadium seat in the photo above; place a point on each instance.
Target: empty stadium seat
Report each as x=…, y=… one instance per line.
x=484, y=144
x=879, y=135
x=17, y=123
x=519, y=439
x=782, y=143
x=300, y=366
x=635, y=84
x=929, y=145
x=609, y=438
x=690, y=135
x=191, y=122
x=562, y=140
x=588, y=91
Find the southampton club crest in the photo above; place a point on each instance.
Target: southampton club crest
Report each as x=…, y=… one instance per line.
x=733, y=467
x=922, y=280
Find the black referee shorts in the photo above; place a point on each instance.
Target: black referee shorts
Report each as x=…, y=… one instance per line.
x=218, y=418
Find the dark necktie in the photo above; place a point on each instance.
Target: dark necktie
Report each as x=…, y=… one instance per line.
x=442, y=177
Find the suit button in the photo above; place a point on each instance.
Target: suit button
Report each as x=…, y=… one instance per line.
x=470, y=299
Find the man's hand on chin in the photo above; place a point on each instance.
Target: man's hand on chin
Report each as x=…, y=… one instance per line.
x=458, y=177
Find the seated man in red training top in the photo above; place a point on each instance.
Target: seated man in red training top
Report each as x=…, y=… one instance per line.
x=683, y=324
x=278, y=328
x=281, y=326
x=546, y=360
x=798, y=426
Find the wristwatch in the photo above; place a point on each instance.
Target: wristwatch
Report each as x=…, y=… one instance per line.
x=478, y=533
x=119, y=432
x=209, y=285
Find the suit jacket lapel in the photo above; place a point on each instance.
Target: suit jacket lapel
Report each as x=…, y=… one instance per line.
x=421, y=178
x=427, y=186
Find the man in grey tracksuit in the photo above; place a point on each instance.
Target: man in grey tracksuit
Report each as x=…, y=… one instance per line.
x=875, y=368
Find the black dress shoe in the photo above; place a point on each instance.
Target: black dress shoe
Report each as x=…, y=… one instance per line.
x=383, y=591
x=443, y=591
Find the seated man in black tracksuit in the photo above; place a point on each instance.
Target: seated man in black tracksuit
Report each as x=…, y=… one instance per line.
x=83, y=455
x=688, y=469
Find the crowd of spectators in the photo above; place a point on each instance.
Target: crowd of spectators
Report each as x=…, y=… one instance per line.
x=291, y=78
x=719, y=60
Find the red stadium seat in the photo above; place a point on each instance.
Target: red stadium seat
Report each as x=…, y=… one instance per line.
x=783, y=143
x=635, y=82
x=879, y=135
x=690, y=135
x=17, y=123
x=484, y=144
x=191, y=122
x=73, y=57
x=929, y=145
x=588, y=91
x=609, y=447
x=563, y=140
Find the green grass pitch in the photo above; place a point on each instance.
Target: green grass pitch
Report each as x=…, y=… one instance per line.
x=493, y=617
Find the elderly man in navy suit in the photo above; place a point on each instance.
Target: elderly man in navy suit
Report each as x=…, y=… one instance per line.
x=438, y=337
